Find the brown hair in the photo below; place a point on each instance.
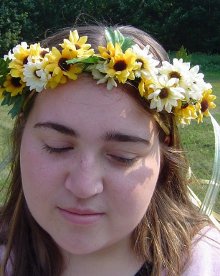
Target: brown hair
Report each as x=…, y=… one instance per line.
x=166, y=230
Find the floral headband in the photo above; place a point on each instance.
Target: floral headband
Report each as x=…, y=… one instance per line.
x=171, y=87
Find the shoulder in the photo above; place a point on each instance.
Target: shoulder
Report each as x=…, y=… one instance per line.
x=205, y=254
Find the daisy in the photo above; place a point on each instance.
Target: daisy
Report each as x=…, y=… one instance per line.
x=184, y=113
x=166, y=95
x=205, y=104
x=147, y=64
x=122, y=65
x=19, y=58
x=59, y=69
x=35, y=76
x=77, y=45
x=13, y=85
x=178, y=70
x=107, y=52
x=103, y=78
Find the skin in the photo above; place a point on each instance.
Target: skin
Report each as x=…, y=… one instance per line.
x=104, y=160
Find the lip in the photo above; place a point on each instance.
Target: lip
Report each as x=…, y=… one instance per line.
x=81, y=216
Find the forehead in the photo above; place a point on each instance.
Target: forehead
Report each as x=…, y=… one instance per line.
x=83, y=101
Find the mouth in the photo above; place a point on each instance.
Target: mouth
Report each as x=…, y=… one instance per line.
x=80, y=216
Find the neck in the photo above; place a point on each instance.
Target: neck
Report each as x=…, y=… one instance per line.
x=115, y=260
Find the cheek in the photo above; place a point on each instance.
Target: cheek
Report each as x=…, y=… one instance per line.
x=133, y=191
x=38, y=175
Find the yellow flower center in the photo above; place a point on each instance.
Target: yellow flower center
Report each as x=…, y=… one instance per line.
x=164, y=93
x=120, y=65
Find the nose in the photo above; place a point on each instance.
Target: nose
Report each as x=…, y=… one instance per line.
x=85, y=179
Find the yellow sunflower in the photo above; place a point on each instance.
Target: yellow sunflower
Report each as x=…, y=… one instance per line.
x=122, y=65
x=145, y=87
x=59, y=69
x=184, y=113
x=36, y=52
x=13, y=85
x=205, y=104
x=77, y=45
x=107, y=52
x=20, y=58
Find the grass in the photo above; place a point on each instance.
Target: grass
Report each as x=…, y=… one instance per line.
x=197, y=140
x=199, y=144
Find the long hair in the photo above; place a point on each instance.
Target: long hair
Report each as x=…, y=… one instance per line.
x=163, y=237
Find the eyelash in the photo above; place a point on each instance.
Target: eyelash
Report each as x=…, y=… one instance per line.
x=56, y=150
x=124, y=161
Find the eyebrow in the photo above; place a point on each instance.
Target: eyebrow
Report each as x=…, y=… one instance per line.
x=120, y=137
x=58, y=127
x=110, y=136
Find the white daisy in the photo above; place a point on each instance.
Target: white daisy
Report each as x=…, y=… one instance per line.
x=178, y=70
x=147, y=64
x=166, y=95
x=103, y=78
x=35, y=77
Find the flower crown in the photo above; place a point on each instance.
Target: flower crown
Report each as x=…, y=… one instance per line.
x=171, y=87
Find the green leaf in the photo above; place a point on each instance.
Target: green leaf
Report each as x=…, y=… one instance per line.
x=89, y=60
x=117, y=37
x=16, y=109
x=16, y=102
x=128, y=42
x=110, y=35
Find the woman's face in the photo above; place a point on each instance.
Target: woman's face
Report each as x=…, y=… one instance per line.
x=90, y=160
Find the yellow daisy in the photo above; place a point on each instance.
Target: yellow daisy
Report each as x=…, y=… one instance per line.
x=14, y=85
x=145, y=87
x=77, y=45
x=107, y=52
x=37, y=53
x=21, y=54
x=59, y=69
x=205, y=104
x=184, y=113
x=122, y=65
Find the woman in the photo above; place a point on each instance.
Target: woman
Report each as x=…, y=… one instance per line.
x=98, y=175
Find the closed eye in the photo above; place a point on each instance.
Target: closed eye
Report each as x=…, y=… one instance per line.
x=123, y=160
x=56, y=149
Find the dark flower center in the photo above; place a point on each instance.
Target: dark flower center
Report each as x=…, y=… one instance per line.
x=16, y=82
x=77, y=46
x=184, y=105
x=204, y=106
x=120, y=65
x=63, y=65
x=164, y=93
x=43, y=53
x=140, y=61
x=25, y=60
x=175, y=75
x=35, y=73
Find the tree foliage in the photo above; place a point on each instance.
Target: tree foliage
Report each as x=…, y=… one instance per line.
x=195, y=24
